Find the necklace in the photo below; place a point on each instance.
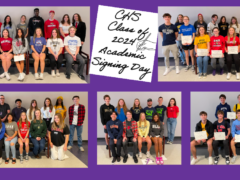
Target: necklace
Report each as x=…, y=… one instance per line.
x=167, y=27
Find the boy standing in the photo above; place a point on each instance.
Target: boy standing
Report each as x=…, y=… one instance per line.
x=149, y=110
x=4, y=108
x=50, y=24
x=223, y=106
x=212, y=25
x=18, y=110
x=161, y=109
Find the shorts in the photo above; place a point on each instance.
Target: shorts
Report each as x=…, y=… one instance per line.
x=190, y=47
x=6, y=51
x=204, y=142
x=105, y=130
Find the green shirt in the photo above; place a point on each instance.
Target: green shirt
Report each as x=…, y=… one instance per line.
x=38, y=129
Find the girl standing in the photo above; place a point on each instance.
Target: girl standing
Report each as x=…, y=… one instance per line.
x=60, y=108
x=9, y=26
x=23, y=25
x=200, y=23
x=48, y=111
x=2, y=132
x=121, y=109
x=223, y=26
x=31, y=110
x=235, y=25
x=136, y=109
x=64, y=27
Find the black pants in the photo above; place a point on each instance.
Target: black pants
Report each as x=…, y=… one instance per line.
x=230, y=59
x=125, y=148
x=47, y=121
x=1, y=146
x=55, y=63
x=112, y=147
x=225, y=144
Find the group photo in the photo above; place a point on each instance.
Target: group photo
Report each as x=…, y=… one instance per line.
x=44, y=130
x=139, y=128
x=198, y=44
x=45, y=44
x=215, y=133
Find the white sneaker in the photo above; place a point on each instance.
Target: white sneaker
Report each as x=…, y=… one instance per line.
x=69, y=147
x=81, y=149
x=53, y=73
x=210, y=160
x=166, y=71
x=177, y=69
x=57, y=73
x=148, y=154
x=140, y=155
x=19, y=77
x=228, y=76
x=7, y=76
x=194, y=161
x=238, y=77
x=36, y=76
x=170, y=142
x=41, y=76
x=2, y=75
x=22, y=76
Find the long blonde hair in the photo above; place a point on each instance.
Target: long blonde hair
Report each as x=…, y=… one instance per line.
x=20, y=121
x=35, y=34
x=231, y=24
x=35, y=120
x=234, y=36
x=124, y=107
x=134, y=106
x=145, y=120
x=31, y=108
x=61, y=124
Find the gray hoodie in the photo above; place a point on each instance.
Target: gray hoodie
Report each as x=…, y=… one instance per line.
x=17, y=46
x=156, y=130
x=12, y=30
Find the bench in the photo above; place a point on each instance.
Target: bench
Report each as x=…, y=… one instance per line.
x=130, y=144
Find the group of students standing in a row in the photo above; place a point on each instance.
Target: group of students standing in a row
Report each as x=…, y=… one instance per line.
x=137, y=125
x=38, y=126
x=211, y=36
x=222, y=124
x=47, y=37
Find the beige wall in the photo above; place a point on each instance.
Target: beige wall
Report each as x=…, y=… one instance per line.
x=26, y=98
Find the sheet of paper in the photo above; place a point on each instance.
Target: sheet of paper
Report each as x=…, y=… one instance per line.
x=216, y=53
x=232, y=49
x=202, y=52
x=200, y=135
x=124, y=43
x=186, y=39
x=231, y=115
x=19, y=58
x=237, y=138
x=219, y=136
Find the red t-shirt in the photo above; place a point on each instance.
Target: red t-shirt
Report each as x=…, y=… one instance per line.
x=217, y=43
x=172, y=112
x=24, y=130
x=231, y=41
x=0, y=28
x=6, y=44
x=49, y=26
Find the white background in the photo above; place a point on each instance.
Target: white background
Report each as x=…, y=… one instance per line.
x=16, y=12
x=192, y=13
x=27, y=97
x=143, y=97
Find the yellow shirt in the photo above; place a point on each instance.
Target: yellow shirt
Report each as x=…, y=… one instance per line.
x=234, y=108
x=62, y=111
x=203, y=128
x=143, y=130
x=202, y=41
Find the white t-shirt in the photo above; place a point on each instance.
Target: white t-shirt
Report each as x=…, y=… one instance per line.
x=64, y=28
x=210, y=27
x=75, y=115
x=55, y=45
x=47, y=113
x=72, y=43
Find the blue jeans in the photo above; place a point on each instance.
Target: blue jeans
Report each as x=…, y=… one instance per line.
x=38, y=146
x=171, y=126
x=202, y=62
x=8, y=146
x=181, y=51
x=79, y=134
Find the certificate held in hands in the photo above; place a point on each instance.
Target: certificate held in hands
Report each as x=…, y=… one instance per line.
x=217, y=53
x=231, y=115
x=219, y=136
x=187, y=39
x=237, y=138
x=232, y=49
x=200, y=135
x=202, y=52
x=19, y=58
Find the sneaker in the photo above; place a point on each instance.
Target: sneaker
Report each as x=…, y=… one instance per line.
x=125, y=159
x=204, y=75
x=41, y=76
x=216, y=159
x=27, y=157
x=57, y=73
x=2, y=75
x=22, y=76
x=210, y=160
x=7, y=76
x=193, y=68
x=135, y=159
x=177, y=69
x=157, y=160
x=148, y=154
x=19, y=77
x=183, y=62
x=238, y=76
x=36, y=76
x=187, y=68
x=53, y=73
x=114, y=159
x=118, y=159
x=68, y=76
x=106, y=146
x=221, y=71
x=234, y=159
x=227, y=160
x=81, y=77
x=194, y=161
x=21, y=159
x=228, y=76
x=69, y=147
x=200, y=75
x=214, y=72
x=166, y=71
x=170, y=142
x=140, y=155
x=161, y=160
x=81, y=149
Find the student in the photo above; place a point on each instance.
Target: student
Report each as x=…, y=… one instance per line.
x=188, y=30
x=72, y=44
x=48, y=112
x=4, y=108
x=232, y=40
x=55, y=46
x=179, y=23
x=169, y=34
x=172, y=114
x=156, y=134
x=115, y=131
x=200, y=23
x=202, y=41
x=149, y=110
x=235, y=25
x=212, y=25
x=143, y=131
x=76, y=117
x=23, y=25
x=80, y=28
x=203, y=125
x=38, y=45
x=235, y=131
x=6, y=53
x=20, y=47
x=64, y=26
x=221, y=126
x=105, y=115
x=2, y=132
x=31, y=110
x=217, y=42
x=223, y=26
x=50, y=24
x=10, y=139
x=0, y=26
x=223, y=106
x=121, y=109
x=38, y=130
x=58, y=133
x=237, y=106
x=16, y=112
x=9, y=26
x=23, y=135
x=136, y=109
x=60, y=108
x=161, y=109
x=130, y=134
x=35, y=22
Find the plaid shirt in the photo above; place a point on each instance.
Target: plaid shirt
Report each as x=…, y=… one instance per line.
x=134, y=128
x=81, y=114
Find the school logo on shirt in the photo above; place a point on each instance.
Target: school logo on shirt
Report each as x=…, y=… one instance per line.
x=8, y=27
x=72, y=42
x=149, y=112
x=9, y=126
x=224, y=109
x=38, y=43
x=51, y=25
x=129, y=127
x=114, y=126
x=5, y=41
x=159, y=111
x=220, y=128
x=167, y=31
x=107, y=110
x=238, y=127
x=136, y=111
x=187, y=29
x=19, y=43
x=155, y=126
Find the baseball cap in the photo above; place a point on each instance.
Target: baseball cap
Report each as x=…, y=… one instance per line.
x=200, y=14
x=52, y=11
x=149, y=100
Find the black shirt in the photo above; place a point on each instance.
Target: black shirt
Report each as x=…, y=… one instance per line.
x=105, y=113
x=198, y=25
x=223, y=29
x=57, y=136
x=3, y=110
x=136, y=113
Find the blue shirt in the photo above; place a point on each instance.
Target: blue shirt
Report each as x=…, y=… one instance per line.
x=38, y=44
x=225, y=108
x=2, y=131
x=161, y=111
x=235, y=128
x=149, y=113
x=187, y=30
x=115, y=129
x=169, y=36
x=121, y=116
